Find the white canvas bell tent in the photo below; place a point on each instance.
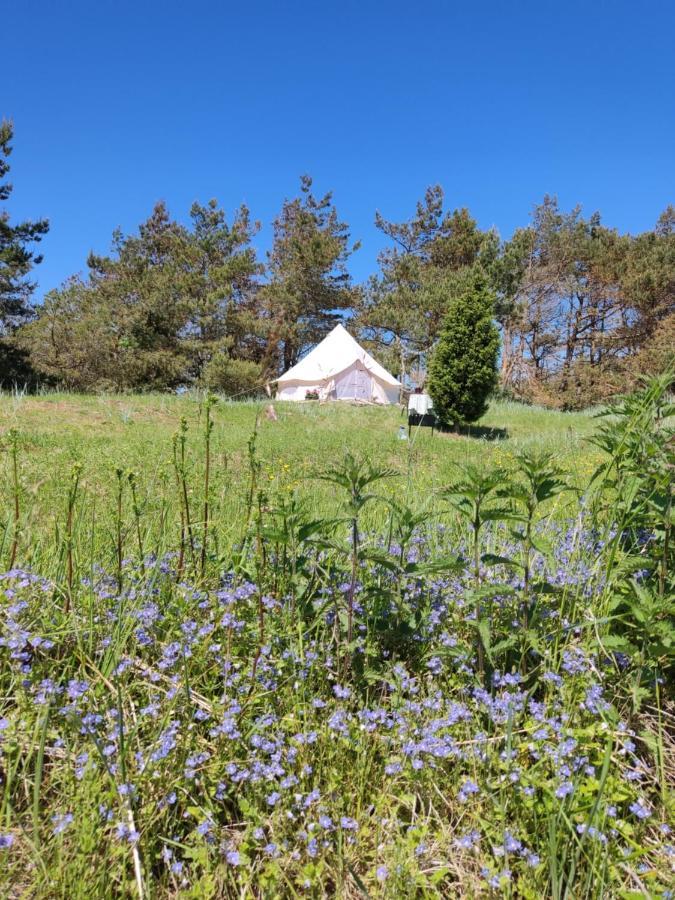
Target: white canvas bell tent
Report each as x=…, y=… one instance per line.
x=338, y=368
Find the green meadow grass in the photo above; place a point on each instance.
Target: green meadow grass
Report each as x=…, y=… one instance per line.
x=299, y=706
x=103, y=433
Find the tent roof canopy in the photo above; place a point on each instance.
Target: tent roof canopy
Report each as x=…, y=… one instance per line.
x=335, y=353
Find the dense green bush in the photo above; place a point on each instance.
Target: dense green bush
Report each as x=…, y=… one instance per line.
x=233, y=377
x=463, y=367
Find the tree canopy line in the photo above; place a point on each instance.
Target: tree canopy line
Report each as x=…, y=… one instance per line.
x=580, y=308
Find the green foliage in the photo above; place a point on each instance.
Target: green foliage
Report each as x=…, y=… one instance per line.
x=474, y=496
x=580, y=302
x=354, y=476
x=402, y=310
x=233, y=377
x=221, y=269
x=463, y=368
x=638, y=437
x=17, y=259
x=582, y=310
x=176, y=673
x=308, y=282
x=531, y=487
x=155, y=313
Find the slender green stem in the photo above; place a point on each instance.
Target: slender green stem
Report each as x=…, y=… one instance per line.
x=118, y=523
x=14, y=450
x=207, y=471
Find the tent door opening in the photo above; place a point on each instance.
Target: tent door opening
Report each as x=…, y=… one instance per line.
x=355, y=385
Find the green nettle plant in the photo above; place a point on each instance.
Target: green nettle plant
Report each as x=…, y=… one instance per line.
x=355, y=476
x=398, y=612
x=294, y=538
x=475, y=496
x=463, y=367
x=636, y=483
x=536, y=481
x=404, y=523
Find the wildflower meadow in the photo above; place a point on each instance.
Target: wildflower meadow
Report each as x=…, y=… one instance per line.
x=304, y=658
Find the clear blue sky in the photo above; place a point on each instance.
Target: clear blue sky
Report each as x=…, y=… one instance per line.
x=118, y=104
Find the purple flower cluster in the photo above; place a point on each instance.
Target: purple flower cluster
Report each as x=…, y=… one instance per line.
x=272, y=745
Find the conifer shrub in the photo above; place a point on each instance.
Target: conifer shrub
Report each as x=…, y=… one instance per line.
x=463, y=367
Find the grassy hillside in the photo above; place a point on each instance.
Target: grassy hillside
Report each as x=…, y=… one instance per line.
x=222, y=676
x=136, y=433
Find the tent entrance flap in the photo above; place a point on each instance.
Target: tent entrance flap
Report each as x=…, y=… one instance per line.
x=354, y=384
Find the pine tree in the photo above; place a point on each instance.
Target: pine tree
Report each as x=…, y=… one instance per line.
x=16, y=262
x=169, y=305
x=308, y=279
x=223, y=327
x=463, y=368
x=402, y=309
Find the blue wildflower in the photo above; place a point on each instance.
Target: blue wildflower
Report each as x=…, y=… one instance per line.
x=61, y=821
